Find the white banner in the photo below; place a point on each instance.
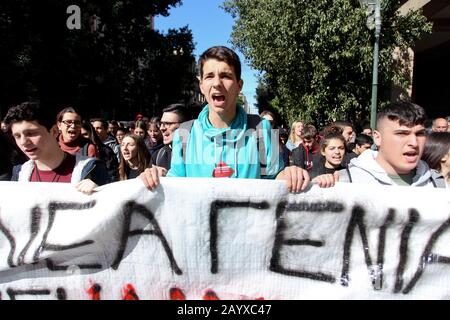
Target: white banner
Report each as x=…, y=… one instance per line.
x=223, y=239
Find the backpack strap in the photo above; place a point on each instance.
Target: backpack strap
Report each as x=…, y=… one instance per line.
x=15, y=172
x=84, y=150
x=349, y=175
x=438, y=182
x=344, y=174
x=184, y=132
x=254, y=122
x=159, y=155
x=434, y=183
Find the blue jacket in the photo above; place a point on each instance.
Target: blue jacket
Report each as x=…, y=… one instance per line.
x=236, y=146
x=85, y=168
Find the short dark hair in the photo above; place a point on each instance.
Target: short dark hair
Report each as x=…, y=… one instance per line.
x=123, y=129
x=436, y=147
x=366, y=125
x=331, y=129
x=103, y=121
x=29, y=111
x=267, y=112
x=180, y=110
x=362, y=139
x=221, y=53
x=342, y=124
x=309, y=132
x=271, y=114
x=406, y=113
x=9, y=154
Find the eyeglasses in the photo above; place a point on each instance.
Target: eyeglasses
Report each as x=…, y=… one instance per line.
x=167, y=123
x=69, y=123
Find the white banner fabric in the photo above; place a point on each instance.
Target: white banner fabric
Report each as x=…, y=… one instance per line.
x=223, y=239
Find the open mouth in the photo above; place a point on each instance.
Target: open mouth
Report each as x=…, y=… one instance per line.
x=30, y=151
x=72, y=134
x=167, y=137
x=218, y=99
x=336, y=158
x=410, y=156
x=126, y=155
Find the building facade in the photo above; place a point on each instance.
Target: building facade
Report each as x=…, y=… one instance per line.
x=431, y=64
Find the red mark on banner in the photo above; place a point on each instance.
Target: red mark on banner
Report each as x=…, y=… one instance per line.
x=177, y=294
x=94, y=291
x=210, y=295
x=222, y=171
x=129, y=293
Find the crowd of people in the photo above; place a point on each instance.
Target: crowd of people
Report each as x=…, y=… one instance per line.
x=223, y=142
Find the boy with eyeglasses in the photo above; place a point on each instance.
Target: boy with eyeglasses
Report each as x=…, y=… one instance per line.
x=35, y=135
x=172, y=117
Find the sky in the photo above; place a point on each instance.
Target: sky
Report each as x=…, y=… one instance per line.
x=210, y=26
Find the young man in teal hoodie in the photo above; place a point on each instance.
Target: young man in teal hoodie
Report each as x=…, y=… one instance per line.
x=221, y=142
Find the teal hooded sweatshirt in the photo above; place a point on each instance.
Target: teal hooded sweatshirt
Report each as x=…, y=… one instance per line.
x=235, y=147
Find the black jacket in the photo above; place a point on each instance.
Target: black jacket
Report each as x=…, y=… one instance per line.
x=162, y=157
x=302, y=158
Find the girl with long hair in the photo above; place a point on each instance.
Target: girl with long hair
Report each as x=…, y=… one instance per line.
x=437, y=154
x=135, y=157
x=295, y=137
x=141, y=130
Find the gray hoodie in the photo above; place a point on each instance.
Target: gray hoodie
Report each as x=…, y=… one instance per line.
x=364, y=169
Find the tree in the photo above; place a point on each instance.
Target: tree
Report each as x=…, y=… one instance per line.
x=316, y=57
x=265, y=100
x=263, y=96
x=113, y=66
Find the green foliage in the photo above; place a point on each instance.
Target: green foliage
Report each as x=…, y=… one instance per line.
x=240, y=100
x=317, y=55
x=120, y=68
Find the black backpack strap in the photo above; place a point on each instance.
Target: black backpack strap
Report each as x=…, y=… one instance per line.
x=438, y=182
x=184, y=132
x=84, y=150
x=434, y=183
x=349, y=175
x=158, y=157
x=15, y=172
x=344, y=172
x=254, y=122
